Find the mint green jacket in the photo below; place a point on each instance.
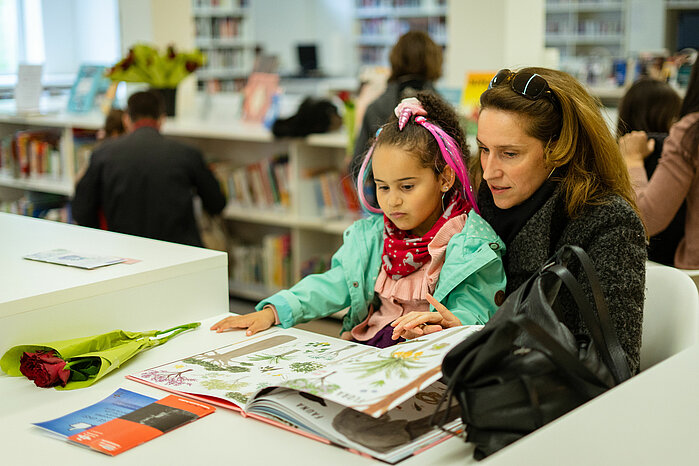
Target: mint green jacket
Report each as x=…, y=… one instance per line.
x=470, y=278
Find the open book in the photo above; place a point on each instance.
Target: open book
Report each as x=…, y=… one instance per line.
x=374, y=401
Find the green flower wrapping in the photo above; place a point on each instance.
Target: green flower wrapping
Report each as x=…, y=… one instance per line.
x=144, y=64
x=88, y=359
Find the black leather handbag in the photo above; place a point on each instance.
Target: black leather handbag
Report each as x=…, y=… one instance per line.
x=525, y=368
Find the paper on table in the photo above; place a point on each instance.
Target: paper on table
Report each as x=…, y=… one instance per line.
x=73, y=259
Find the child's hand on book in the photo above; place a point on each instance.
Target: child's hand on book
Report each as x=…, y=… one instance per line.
x=254, y=322
x=417, y=324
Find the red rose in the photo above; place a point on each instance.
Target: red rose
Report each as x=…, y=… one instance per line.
x=45, y=369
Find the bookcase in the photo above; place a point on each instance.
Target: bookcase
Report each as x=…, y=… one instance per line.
x=305, y=230
x=584, y=27
x=224, y=33
x=379, y=24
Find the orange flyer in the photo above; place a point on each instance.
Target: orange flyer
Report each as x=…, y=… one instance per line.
x=132, y=429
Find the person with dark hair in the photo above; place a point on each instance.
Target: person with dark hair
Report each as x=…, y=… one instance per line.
x=675, y=179
x=144, y=183
x=653, y=106
x=427, y=244
x=416, y=63
x=113, y=124
x=552, y=175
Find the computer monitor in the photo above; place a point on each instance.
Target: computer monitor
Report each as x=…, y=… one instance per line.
x=308, y=58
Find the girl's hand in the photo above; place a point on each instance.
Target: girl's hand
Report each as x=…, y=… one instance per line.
x=254, y=322
x=635, y=147
x=416, y=324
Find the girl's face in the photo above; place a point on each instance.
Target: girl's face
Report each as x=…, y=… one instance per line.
x=512, y=161
x=408, y=193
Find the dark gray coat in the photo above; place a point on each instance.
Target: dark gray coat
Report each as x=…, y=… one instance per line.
x=613, y=236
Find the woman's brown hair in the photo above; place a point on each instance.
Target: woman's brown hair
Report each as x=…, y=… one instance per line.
x=416, y=54
x=649, y=105
x=576, y=138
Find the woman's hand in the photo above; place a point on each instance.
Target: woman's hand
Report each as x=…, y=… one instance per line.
x=417, y=324
x=254, y=322
x=635, y=147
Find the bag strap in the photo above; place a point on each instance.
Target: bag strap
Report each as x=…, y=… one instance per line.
x=598, y=324
x=567, y=362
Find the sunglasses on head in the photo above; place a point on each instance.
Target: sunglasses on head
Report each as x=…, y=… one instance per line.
x=529, y=85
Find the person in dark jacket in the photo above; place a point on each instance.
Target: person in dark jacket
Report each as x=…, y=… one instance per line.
x=653, y=106
x=145, y=183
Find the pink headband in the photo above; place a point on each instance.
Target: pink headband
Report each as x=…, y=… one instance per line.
x=447, y=146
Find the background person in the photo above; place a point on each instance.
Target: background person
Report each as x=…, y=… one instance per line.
x=416, y=63
x=653, y=106
x=675, y=179
x=144, y=183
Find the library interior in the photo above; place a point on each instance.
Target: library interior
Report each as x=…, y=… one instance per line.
x=165, y=162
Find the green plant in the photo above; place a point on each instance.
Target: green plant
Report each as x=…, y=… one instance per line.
x=145, y=64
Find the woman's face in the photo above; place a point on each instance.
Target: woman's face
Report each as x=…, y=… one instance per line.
x=512, y=161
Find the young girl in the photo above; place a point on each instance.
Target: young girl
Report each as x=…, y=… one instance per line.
x=430, y=241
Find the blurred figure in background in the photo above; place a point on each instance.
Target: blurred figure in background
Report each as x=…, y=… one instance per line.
x=675, y=179
x=653, y=106
x=416, y=63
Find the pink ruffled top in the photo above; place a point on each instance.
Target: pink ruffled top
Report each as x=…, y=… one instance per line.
x=399, y=297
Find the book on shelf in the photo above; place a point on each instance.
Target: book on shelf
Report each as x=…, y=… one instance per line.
x=263, y=184
x=31, y=153
x=267, y=264
x=125, y=419
x=334, y=193
x=258, y=94
x=371, y=401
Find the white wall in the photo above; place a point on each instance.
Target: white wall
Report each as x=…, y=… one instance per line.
x=79, y=31
x=645, y=26
x=494, y=34
x=280, y=25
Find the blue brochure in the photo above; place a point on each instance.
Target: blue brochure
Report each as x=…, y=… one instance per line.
x=117, y=404
x=88, y=84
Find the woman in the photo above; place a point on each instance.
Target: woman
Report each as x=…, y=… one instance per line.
x=653, y=106
x=416, y=63
x=675, y=179
x=552, y=175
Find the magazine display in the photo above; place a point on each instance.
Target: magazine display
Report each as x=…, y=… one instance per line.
x=375, y=401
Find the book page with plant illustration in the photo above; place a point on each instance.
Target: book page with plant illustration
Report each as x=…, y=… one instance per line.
x=357, y=376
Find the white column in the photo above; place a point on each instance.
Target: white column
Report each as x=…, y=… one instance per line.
x=485, y=36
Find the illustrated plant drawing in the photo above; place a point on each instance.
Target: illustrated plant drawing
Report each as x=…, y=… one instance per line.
x=396, y=364
x=305, y=366
x=272, y=358
x=169, y=378
x=214, y=367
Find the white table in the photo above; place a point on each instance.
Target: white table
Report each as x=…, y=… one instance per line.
x=42, y=302
x=650, y=419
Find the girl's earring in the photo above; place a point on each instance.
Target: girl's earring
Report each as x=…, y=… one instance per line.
x=444, y=193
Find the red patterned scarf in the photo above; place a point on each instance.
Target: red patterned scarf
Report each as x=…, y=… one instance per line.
x=404, y=253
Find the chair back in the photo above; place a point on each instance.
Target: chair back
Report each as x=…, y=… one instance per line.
x=670, y=314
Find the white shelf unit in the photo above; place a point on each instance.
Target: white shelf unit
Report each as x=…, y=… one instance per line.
x=379, y=24
x=240, y=144
x=223, y=32
x=311, y=233
x=582, y=28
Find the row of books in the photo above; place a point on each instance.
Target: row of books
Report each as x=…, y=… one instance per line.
x=268, y=263
x=219, y=28
x=434, y=26
x=224, y=58
x=222, y=4
x=335, y=194
x=264, y=184
x=26, y=207
x=31, y=153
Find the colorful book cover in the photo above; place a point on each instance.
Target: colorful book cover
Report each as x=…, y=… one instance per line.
x=139, y=426
x=117, y=404
x=258, y=94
